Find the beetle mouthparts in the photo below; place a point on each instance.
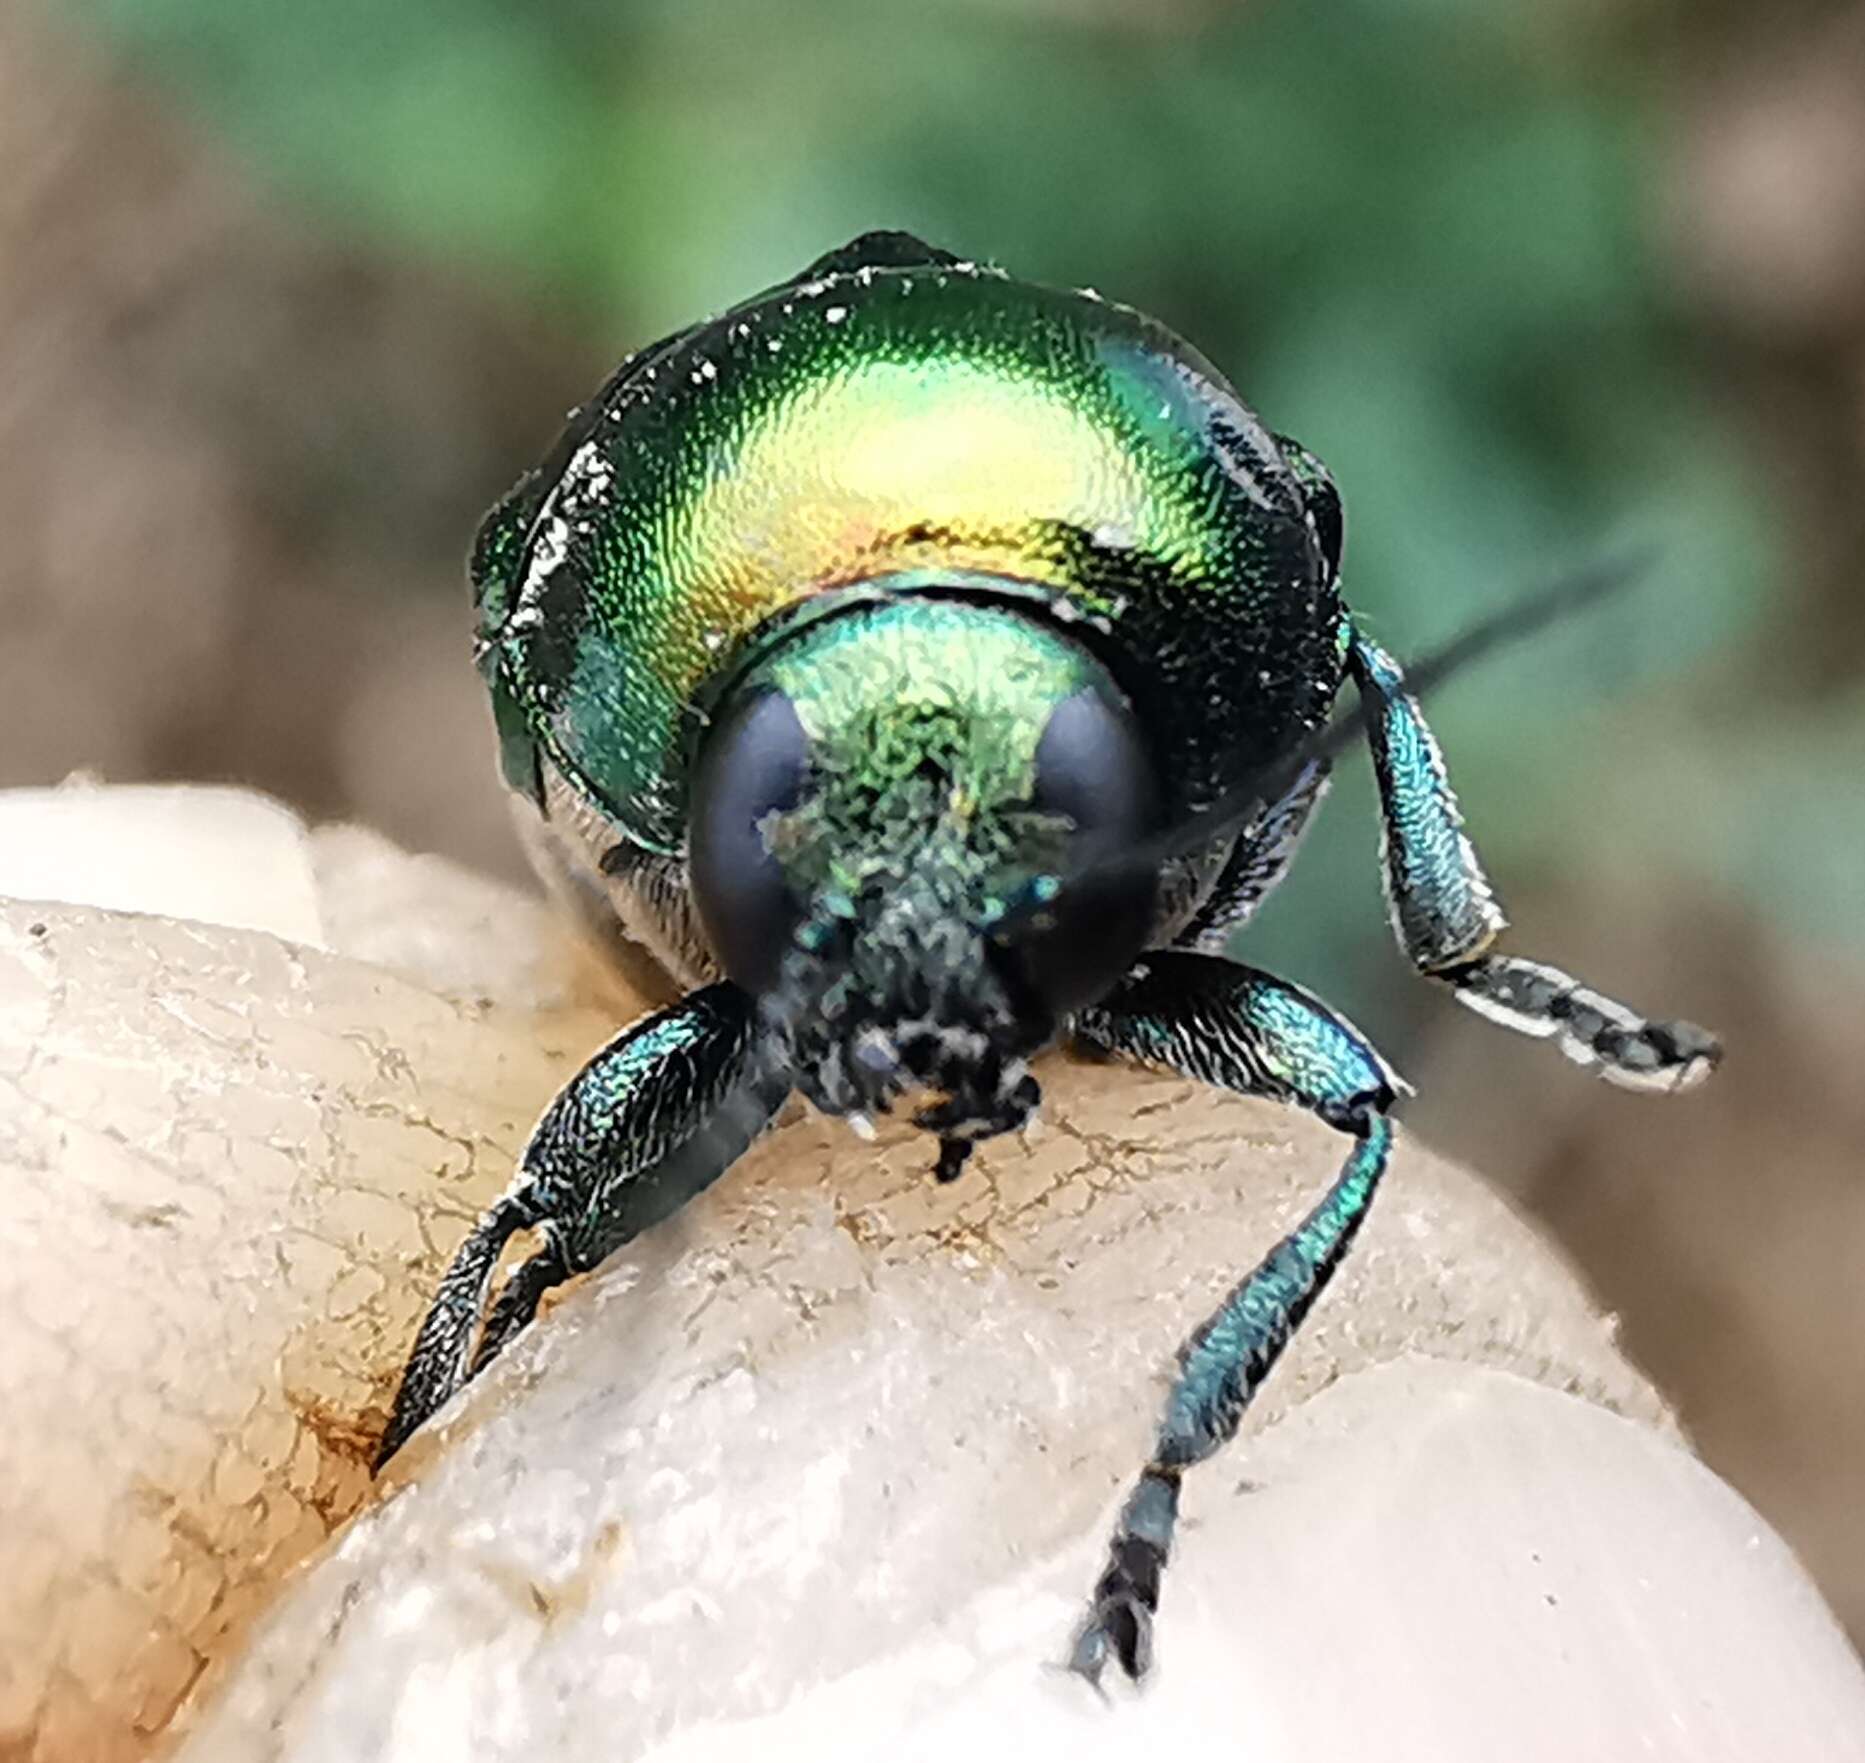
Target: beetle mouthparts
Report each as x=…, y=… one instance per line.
x=855, y=1051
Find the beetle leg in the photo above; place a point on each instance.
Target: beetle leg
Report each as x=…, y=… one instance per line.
x=655, y=1117
x=1446, y=916
x=1245, y=1031
x=437, y=1365
x=1258, y=861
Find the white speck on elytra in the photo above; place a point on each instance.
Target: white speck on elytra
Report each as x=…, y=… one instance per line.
x=579, y=494
x=836, y=314
x=586, y=480
x=553, y=541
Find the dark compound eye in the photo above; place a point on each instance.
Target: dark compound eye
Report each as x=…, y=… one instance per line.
x=751, y=767
x=1091, y=766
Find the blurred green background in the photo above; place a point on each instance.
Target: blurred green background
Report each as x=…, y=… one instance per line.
x=289, y=293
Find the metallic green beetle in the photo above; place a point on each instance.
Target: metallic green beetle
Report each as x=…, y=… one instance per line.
x=865, y=654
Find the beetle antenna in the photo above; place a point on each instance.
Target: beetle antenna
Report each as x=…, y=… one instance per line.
x=1236, y=808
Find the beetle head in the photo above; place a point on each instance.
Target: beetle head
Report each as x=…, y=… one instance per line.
x=880, y=817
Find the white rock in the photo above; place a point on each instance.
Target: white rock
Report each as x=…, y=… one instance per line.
x=194, y=851
x=824, y=1467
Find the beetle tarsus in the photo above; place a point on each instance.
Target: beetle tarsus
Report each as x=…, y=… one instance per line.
x=1120, y=1613
x=953, y=1156
x=1590, y=1028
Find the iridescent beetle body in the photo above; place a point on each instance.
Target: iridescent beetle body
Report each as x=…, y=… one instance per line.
x=884, y=427
x=844, y=649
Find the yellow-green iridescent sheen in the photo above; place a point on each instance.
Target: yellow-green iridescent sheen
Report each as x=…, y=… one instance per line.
x=992, y=677
x=912, y=426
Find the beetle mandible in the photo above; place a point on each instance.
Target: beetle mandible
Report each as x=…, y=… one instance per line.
x=845, y=650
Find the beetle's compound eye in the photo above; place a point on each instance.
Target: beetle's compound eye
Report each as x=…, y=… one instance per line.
x=1092, y=767
x=750, y=768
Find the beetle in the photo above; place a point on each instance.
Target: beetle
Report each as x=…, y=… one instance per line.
x=887, y=657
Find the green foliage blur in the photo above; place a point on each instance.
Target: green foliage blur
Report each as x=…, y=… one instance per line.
x=1414, y=232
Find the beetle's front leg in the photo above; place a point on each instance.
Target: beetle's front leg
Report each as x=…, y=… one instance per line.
x=653, y=1119
x=1446, y=917
x=1245, y=1031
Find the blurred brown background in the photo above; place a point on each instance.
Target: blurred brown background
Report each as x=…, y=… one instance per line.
x=287, y=295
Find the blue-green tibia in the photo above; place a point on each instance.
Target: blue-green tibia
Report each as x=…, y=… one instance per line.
x=1244, y=1031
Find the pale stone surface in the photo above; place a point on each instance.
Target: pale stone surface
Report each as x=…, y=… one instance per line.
x=1430, y=1562
x=193, y=851
x=824, y=1465
x=823, y=1472
x=463, y=935
x=231, y=1168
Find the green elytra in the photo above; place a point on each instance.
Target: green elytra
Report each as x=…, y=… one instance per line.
x=895, y=418
x=870, y=654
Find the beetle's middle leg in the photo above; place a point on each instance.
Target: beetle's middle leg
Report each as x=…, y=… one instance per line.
x=658, y=1115
x=1245, y=1031
x=1446, y=916
x=1258, y=861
